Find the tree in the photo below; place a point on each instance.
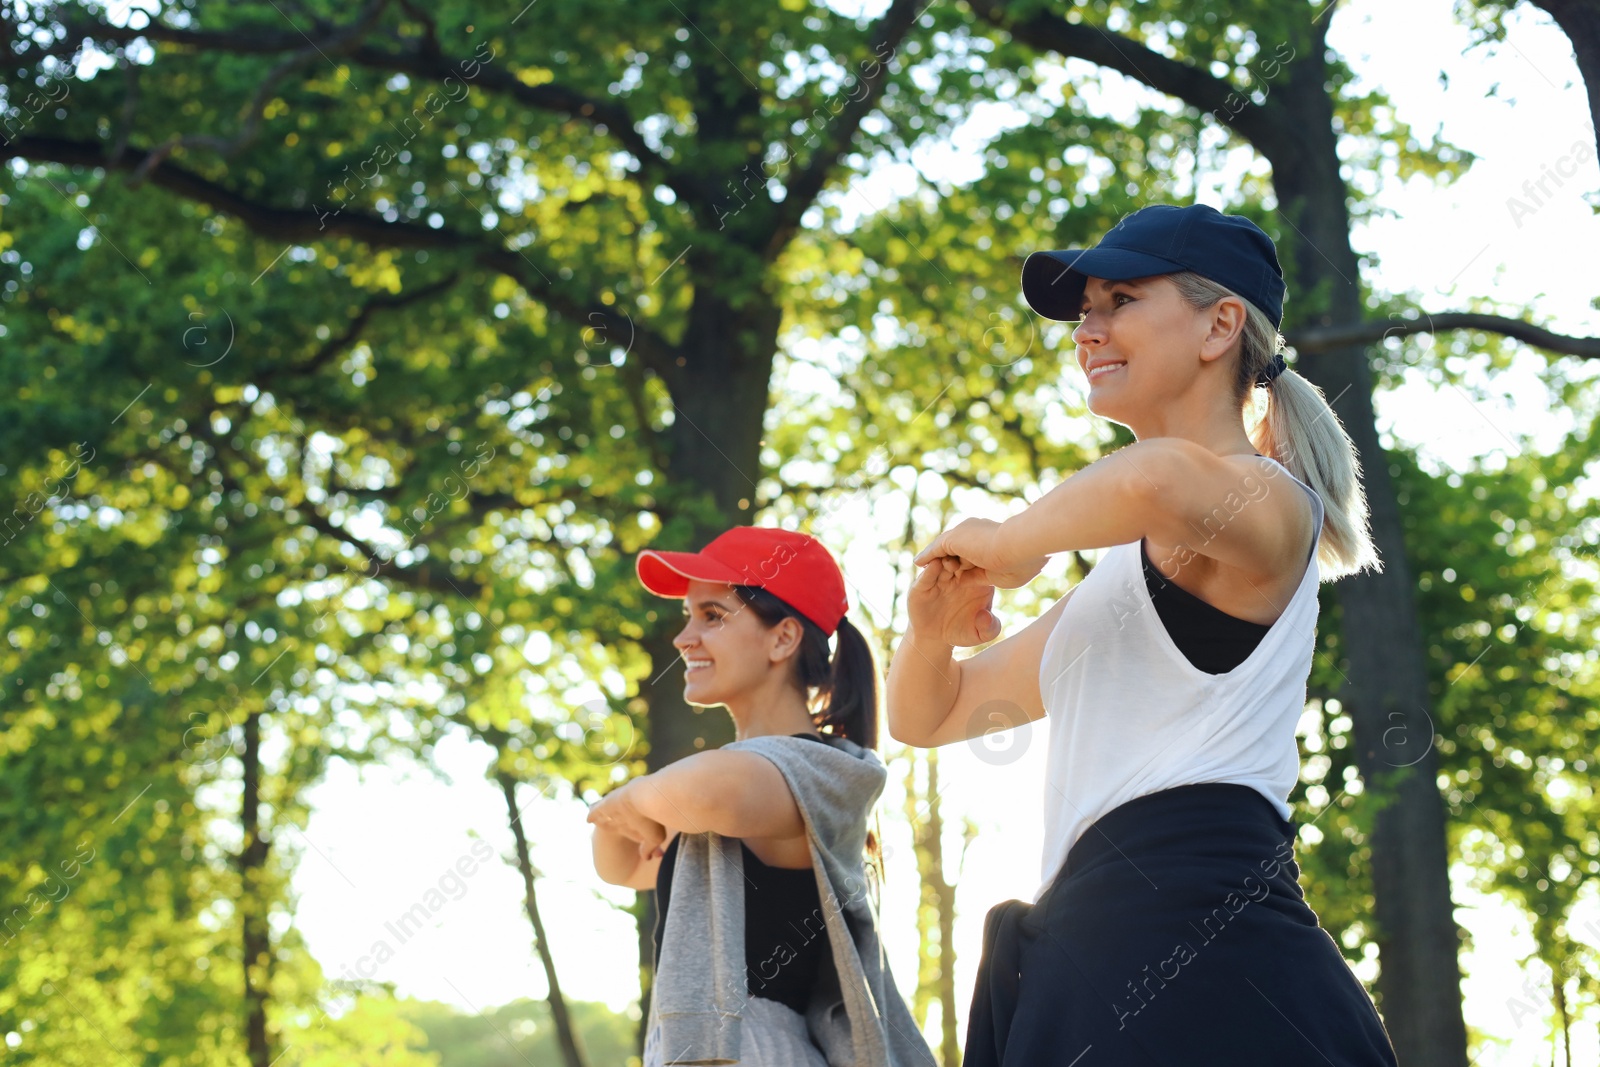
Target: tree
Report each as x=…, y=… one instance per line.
x=508, y=302
x=336, y=214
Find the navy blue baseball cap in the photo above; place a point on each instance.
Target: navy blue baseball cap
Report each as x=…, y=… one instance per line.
x=1161, y=239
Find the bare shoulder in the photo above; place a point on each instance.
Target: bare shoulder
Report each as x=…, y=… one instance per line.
x=1295, y=507
x=1242, y=512
x=1238, y=536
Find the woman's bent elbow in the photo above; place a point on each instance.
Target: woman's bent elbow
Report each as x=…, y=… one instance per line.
x=908, y=735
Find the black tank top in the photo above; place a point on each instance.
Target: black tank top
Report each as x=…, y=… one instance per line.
x=1209, y=637
x=785, y=940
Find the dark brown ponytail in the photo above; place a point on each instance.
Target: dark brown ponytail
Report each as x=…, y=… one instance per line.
x=845, y=680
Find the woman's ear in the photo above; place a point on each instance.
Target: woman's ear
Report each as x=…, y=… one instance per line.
x=1226, y=327
x=784, y=639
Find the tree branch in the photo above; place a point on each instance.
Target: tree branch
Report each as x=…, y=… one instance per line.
x=357, y=324
x=226, y=147
x=1320, y=338
x=250, y=116
x=1261, y=124
x=657, y=352
x=418, y=575
x=423, y=59
x=429, y=42
x=557, y=99
x=803, y=187
x=971, y=481
x=304, y=225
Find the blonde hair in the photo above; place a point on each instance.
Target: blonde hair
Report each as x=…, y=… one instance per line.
x=1301, y=431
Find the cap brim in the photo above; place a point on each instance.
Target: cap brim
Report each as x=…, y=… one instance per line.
x=669, y=573
x=1053, y=282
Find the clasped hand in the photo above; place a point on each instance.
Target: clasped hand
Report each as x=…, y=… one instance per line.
x=979, y=543
x=952, y=600
x=616, y=812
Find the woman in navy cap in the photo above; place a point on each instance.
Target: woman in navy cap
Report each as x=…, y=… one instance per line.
x=766, y=941
x=1169, y=926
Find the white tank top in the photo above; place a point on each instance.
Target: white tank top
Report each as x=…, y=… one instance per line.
x=1130, y=715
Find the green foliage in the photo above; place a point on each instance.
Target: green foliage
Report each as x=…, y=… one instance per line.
x=518, y=1033
x=374, y=1030
x=1506, y=586
x=349, y=406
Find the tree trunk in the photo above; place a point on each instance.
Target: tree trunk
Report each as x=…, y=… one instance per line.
x=1580, y=21
x=927, y=962
x=252, y=864
x=1561, y=1014
x=945, y=893
x=719, y=396
x=936, y=911
x=566, y=1033
x=646, y=926
x=1418, y=988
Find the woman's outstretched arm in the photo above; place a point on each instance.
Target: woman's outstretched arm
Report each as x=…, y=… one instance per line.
x=732, y=793
x=934, y=699
x=1169, y=489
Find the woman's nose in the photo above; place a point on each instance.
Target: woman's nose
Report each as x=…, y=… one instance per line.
x=1088, y=332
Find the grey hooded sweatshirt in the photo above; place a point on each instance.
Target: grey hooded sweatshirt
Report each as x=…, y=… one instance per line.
x=856, y=1015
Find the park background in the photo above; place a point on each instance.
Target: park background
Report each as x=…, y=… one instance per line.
x=352, y=350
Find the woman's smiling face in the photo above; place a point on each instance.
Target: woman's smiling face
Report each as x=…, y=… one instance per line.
x=726, y=648
x=1133, y=342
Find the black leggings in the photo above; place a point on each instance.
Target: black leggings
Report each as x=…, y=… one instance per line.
x=1175, y=933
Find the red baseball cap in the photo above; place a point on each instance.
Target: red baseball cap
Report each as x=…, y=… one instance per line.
x=792, y=566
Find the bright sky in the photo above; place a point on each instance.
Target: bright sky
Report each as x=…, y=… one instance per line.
x=376, y=848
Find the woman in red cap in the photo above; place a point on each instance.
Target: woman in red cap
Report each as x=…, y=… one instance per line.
x=757, y=850
x=1169, y=926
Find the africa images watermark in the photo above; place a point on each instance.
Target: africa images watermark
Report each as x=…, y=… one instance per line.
x=811, y=927
x=816, y=124
x=1183, y=952
x=53, y=489
x=53, y=890
x=384, y=153
x=1534, y=188
x=412, y=921
x=26, y=108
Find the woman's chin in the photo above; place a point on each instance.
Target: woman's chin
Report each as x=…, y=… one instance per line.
x=1103, y=402
x=699, y=696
